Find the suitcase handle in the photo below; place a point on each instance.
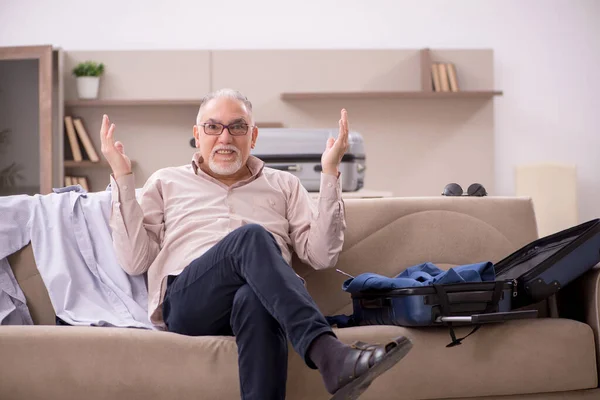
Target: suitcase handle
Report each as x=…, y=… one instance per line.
x=286, y=167
x=491, y=317
x=377, y=302
x=480, y=296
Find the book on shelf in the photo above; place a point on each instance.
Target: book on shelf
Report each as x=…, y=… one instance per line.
x=78, y=146
x=443, y=77
x=435, y=74
x=71, y=180
x=452, y=78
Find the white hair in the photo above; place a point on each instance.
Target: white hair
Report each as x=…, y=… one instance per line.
x=229, y=93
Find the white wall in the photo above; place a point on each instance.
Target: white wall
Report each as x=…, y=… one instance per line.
x=547, y=53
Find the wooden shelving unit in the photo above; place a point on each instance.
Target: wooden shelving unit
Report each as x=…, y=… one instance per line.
x=88, y=164
x=152, y=103
x=132, y=103
x=389, y=95
x=426, y=91
x=84, y=164
x=368, y=78
x=270, y=124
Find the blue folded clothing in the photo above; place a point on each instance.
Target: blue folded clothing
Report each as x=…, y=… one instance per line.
x=422, y=275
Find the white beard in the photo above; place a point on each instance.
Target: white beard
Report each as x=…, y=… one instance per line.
x=228, y=167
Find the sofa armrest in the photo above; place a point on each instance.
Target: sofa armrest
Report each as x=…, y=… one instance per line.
x=589, y=285
x=580, y=301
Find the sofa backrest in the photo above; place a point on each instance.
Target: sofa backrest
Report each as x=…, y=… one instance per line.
x=388, y=235
x=28, y=276
x=384, y=236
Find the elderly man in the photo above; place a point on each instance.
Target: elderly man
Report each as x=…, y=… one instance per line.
x=215, y=237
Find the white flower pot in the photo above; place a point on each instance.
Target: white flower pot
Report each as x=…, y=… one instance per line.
x=87, y=87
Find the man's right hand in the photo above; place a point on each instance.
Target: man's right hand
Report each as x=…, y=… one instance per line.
x=114, y=152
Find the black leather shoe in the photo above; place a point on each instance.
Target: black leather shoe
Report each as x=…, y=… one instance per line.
x=365, y=363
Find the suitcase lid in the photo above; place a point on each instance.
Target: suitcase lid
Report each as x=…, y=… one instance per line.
x=300, y=143
x=539, y=255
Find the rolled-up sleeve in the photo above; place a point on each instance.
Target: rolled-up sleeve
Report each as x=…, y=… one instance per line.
x=317, y=227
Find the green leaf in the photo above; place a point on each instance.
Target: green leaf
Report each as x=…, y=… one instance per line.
x=10, y=175
x=4, y=136
x=88, y=68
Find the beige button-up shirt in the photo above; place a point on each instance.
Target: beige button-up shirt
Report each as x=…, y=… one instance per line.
x=182, y=212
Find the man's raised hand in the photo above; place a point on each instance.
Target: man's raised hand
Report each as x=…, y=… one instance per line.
x=114, y=152
x=336, y=148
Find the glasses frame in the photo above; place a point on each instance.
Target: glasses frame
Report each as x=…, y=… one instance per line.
x=223, y=126
x=455, y=190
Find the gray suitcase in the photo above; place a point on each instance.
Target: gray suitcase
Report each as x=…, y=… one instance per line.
x=299, y=152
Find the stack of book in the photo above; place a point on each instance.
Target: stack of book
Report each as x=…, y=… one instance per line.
x=444, y=77
x=77, y=180
x=78, y=148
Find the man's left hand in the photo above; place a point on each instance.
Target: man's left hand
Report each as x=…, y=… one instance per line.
x=336, y=147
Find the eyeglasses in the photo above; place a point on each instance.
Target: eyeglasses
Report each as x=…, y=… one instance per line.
x=454, y=189
x=235, y=129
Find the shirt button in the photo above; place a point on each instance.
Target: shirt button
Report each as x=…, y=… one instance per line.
x=125, y=187
x=329, y=184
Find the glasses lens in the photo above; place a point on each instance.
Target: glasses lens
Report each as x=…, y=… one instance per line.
x=238, y=129
x=476, y=189
x=213, y=129
x=453, y=189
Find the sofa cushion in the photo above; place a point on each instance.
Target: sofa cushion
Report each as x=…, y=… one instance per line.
x=55, y=362
x=93, y=363
x=517, y=357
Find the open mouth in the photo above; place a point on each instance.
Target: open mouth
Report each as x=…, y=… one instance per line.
x=225, y=154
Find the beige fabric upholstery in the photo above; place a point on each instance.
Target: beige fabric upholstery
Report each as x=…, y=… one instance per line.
x=67, y=362
x=384, y=235
x=26, y=273
x=390, y=234
x=517, y=357
x=590, y=394
x=100, y=363
x=591, y=304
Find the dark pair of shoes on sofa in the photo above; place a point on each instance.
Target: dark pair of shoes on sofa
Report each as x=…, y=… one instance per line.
x=365, y=362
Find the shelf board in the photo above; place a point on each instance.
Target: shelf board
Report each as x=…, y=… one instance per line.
x=142, y=103
x=88, y=164
x=269, y=124
x=132, y=103
x=85, y=164
x=389, y=95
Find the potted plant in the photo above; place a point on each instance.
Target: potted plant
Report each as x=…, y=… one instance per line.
x=88, y=75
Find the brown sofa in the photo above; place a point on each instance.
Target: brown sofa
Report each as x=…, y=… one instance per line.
x=548, y=358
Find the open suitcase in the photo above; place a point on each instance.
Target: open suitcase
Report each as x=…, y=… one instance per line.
x=531, y=274
x=448, y=305
x=299, y=152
